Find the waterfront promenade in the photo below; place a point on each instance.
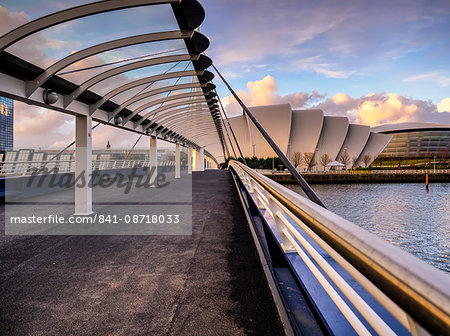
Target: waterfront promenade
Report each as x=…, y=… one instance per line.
x=208, y=283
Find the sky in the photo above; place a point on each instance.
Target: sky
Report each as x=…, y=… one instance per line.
x=375, y=62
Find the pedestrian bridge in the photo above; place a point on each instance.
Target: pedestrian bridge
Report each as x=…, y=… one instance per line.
x=258, y=259
x=158, y=246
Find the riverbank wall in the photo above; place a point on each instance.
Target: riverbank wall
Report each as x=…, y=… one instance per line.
x=397, y=176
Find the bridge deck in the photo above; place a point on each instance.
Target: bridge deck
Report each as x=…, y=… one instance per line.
x=210, y=283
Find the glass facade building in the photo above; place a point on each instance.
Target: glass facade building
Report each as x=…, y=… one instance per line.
x=6, y=124
x=418, y=143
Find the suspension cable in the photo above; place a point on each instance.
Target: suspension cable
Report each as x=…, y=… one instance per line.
x=231, y=129
x=300, y=180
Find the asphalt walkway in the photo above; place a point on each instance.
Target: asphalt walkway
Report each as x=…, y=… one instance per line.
x=207, y=283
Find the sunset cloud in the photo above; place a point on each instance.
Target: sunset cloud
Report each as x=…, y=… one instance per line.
x=332, y=39
x=384, y=109
x=444, y=106
x=36, y=127
x=340, y=98
x=264, y=92
x=372, y=109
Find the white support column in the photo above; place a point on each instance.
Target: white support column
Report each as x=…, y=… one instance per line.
x=190, y=160
x=153, y=161
x=177, y=161
x=196, y=163
x=83, y=165
x=202, y=159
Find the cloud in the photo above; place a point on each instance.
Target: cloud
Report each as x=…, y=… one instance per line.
x=444, y=106
x=30, y=49
x=340, y=98
x=36, y=127
x=264, y=92
x=380, y=108
x=372, y=109
x=11, y=20
x=287, y=27
x=346, y=38
x=436, y=77
x=316, y=64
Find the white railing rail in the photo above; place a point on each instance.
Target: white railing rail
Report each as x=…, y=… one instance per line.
x=366, y=171
x=415, y=293
x=27, y=168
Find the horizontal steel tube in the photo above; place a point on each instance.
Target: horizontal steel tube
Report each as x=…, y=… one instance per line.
x=418, y=288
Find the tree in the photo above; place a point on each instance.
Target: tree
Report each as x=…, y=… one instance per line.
x=366, y=159
x=309, y=160
x=344, y=158
x=354, y=160
x=442, y=154
x=297, y=159
x=325, y=160
x=427, y=157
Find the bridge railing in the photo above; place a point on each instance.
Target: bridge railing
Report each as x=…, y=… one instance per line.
x=415, y=293
x=372, y=171
x=27, y=168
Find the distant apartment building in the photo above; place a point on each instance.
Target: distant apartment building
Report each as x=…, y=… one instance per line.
x=6, y=123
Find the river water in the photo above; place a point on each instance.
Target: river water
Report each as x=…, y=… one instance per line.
x=402, y=214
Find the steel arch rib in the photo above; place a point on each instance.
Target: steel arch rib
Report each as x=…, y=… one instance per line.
x=166, y=116
x=197, y=139
x=196, y=120
x=186, y=119
x=99, y=48
x=178, y=127
x=160, y=101
x=183, y=123
x=167, y=107
x=124, y=68
x=148, y=94
x=198, y=134
x=180, y=110
x=71, y=14
x=201, y=126
x=195, y=136
x=176, y=104
x=169, y=118
x=142, y=81
x=202, y=138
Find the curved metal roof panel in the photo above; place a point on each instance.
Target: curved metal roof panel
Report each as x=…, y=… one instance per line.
x=306, y=127
x=83, y=97
x=356, y=139
x=276, y=120
x=240, y=128
x=334, y=131
x=374, y=146
x=409, y=126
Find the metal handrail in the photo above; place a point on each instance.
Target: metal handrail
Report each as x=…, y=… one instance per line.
x=411, y=290
x=25, y=168
x=351, y=171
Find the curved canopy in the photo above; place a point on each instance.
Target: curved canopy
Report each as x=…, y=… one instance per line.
x=153, y=87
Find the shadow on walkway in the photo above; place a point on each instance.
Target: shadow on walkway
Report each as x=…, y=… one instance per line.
x=210, y=283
